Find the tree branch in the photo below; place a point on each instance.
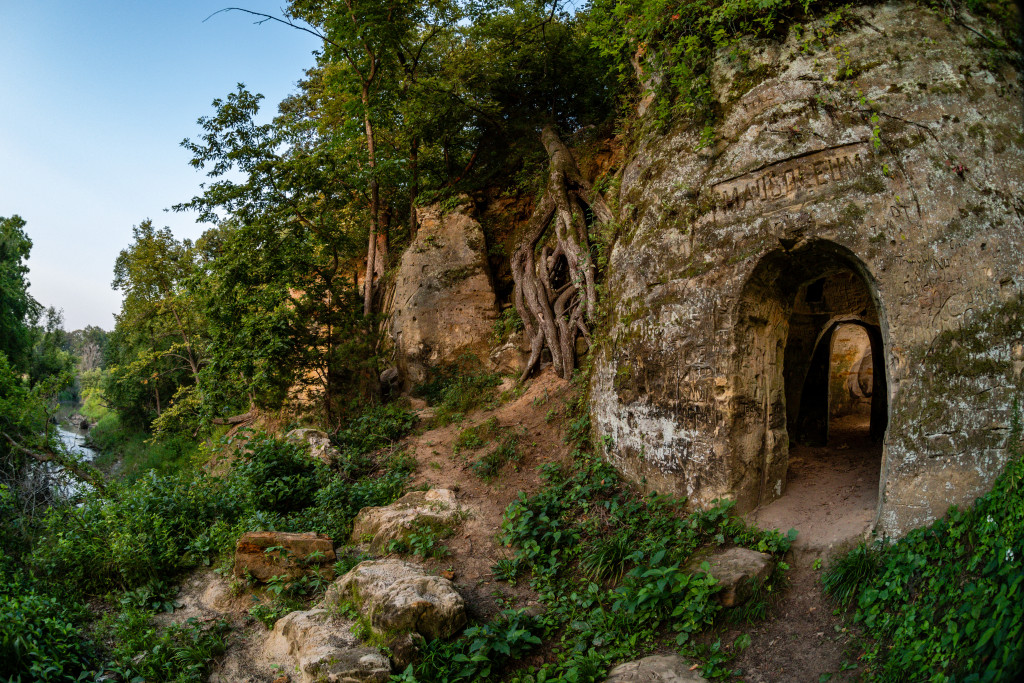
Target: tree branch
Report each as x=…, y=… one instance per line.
x=92, y=478
x=270, y=17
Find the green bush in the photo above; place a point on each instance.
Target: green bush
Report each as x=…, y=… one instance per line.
x=136, y=451
x=143, y=531
x=181, y=653
x=949, y=599
x=40, y=637
x=278, y=476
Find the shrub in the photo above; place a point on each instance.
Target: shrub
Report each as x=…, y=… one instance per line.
x=277, y=475
x=142, y=532
x=39, y=635
x=949, y=598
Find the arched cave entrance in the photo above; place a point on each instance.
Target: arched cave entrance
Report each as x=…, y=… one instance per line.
x=811, y=399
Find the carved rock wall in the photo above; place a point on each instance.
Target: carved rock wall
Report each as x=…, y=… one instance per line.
x=737, y=262
x=444, y=304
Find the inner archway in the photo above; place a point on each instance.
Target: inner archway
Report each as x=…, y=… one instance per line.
x=810, y=393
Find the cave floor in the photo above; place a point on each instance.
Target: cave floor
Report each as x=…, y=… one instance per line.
x=831, y=492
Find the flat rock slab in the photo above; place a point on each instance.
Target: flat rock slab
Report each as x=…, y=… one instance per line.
x=295, y=555
x=655, y=669
x=320, y=446
x=378, y=526
x=323, y=648
x=399, y=597
x=737, y=571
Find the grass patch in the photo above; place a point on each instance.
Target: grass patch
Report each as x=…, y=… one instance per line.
x=455, y=391
x=135, y=452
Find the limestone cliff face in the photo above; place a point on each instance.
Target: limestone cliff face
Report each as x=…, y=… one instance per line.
x=737, y=262
x=444, y=304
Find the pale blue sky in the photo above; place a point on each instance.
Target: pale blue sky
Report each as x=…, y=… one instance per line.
x=95, y=97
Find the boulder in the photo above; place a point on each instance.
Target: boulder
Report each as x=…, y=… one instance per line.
x=655, y=669
x=320, y=446
x=737, y=258
x=324, y=648
x=399, y=598
x=444, y=305
x=377, y=526
x=737, y=571
x=293, y=556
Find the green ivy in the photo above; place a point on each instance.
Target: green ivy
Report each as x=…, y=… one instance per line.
x=948, y=599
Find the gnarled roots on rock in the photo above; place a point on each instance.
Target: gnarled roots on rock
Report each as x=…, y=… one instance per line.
x=555, y=290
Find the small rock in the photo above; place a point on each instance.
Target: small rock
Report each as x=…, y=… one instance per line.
x=655, y=669
x=324, y=648
x=283, y=679
x=399, y=597
x=377, y=526
x=293, y=560
x=320, y=446
x=737, y=571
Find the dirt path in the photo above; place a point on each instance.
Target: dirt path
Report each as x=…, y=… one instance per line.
x=830, y=499
x=537, y=418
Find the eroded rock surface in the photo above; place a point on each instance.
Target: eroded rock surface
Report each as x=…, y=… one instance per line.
x=655, y=669
x=320, y=446
x=377, y=526
x=444, y=305
x=399, y=598
x=294, y=555
x=324, y=648
x=736, y=261
x=737, y=570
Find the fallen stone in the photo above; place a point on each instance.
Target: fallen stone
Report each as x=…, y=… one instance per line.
x=737, y=571
x=295, y=555
x=377, y=526
x=324, y=648
x=320, y=446
x=655, y=669
x=398, y=597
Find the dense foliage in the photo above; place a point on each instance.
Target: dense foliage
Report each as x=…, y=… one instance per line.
x=947, y=599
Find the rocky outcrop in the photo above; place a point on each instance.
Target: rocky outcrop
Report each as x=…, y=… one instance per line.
x=738, y=571
x=401, y=598
x=377, y=526
x=875, y=183
x=444, y=305
x=320, y=446
x=323, y=648
x=655, y=669
x=265, y=554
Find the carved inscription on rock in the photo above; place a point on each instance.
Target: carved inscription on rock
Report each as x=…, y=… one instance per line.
x=791, y=181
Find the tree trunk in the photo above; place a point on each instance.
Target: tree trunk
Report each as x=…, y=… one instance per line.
x=374, y=205
x=414, y=186
x=556, y=294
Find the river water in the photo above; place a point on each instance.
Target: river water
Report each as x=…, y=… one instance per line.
x=75, y=442
x=53, y=476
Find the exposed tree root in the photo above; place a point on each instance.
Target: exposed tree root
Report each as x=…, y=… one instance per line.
x=555, y=289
